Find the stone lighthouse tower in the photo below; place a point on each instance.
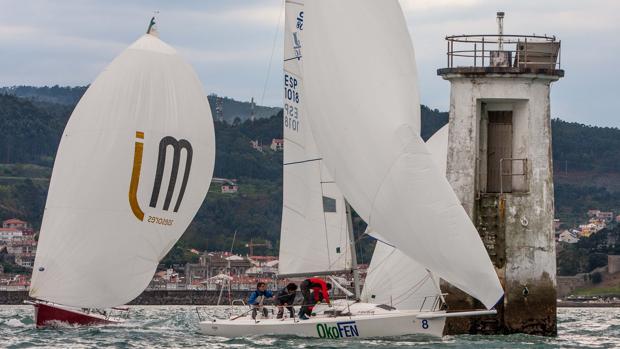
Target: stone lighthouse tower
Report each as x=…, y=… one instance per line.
x=500, y=166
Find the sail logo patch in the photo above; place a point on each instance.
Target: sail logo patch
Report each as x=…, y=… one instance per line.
x=164, y=145
x=296, y=40
x=346, y=329
x=300, y=20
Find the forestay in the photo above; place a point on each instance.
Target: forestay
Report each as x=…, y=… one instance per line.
x=360, y=88
x=394, y=278
x=133, y=167
x=314, y=229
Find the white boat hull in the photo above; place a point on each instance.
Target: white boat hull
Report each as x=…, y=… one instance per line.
x=388, y=324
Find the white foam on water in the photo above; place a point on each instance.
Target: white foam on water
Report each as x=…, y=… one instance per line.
x=14, y=323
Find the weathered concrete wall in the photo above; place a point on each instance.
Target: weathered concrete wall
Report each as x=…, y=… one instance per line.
x=613, y=264
x=186, y=297
x=181, y=297
x=567, y=284
x=517, y=228
x=13, y=297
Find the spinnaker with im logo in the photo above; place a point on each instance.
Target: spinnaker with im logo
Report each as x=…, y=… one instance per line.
x=133, y=167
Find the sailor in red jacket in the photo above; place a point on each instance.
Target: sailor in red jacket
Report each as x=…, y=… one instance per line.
x=319, y=289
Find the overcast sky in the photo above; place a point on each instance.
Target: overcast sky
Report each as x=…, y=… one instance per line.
x=229, y=43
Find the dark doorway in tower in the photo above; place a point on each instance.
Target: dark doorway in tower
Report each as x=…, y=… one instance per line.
x=499, y=153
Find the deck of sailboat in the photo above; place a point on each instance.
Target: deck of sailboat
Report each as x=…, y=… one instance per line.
x=367, y=325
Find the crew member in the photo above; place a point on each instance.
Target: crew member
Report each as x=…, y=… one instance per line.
x=258, y=297
x=319, y=290
x=285, y=299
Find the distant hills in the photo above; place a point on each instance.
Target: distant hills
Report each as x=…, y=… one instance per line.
x=56, y=94
x=69, y=96
x=586, y=164
x=241, y=111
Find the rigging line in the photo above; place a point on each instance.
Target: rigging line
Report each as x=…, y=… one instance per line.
x=413, y=288
x=273, y=49
x=302, y=161
x=380, y=263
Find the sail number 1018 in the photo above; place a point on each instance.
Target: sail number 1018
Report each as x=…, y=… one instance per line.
x=291, y=92
x=291, y=102
x=291, y=117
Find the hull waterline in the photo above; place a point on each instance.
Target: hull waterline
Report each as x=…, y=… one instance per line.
x=48, y=314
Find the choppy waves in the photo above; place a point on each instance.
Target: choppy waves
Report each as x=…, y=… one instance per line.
x=175, y=327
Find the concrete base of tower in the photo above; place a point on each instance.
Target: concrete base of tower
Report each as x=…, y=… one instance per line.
x=529, y=310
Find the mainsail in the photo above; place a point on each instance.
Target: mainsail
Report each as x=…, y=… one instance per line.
x=314, y=236
x=394, y=278
x=360, y=88
x=133, y=167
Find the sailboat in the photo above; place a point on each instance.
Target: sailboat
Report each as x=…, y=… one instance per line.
x=133, y=167
x=350, y=82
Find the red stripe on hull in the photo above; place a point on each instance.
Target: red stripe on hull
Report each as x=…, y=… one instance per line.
x=45, y=313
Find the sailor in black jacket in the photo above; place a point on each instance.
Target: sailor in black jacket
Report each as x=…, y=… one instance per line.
x=285, y=298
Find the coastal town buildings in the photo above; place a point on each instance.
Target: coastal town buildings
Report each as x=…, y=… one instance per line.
x=277, y=144
x=607, y=216
x=14, y=282
x=212, y=264
x=255, y=144
x=15, y=224
x=17, y=243
x=568, y=236
x=216, y=269
x=8, y=234
x=17, y=247
x=227, y=186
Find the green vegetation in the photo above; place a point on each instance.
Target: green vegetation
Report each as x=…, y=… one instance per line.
x=25, y=199
x=179, y=255
x=432, y=120
x=55, y=94
x=585, y=148
x=30, y=134
x=586, y=160
x=11, y=268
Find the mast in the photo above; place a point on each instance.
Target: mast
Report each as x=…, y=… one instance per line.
x=356, y=273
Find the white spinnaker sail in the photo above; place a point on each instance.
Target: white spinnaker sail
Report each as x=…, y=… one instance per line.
x=314, y=232
x=437, y=145
x=394, y=278
x=112, y=210
x=360, y=88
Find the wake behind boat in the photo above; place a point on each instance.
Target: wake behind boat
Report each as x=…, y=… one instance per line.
x=133, y=167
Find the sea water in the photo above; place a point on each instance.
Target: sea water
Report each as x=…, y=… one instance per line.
x=175, y=327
